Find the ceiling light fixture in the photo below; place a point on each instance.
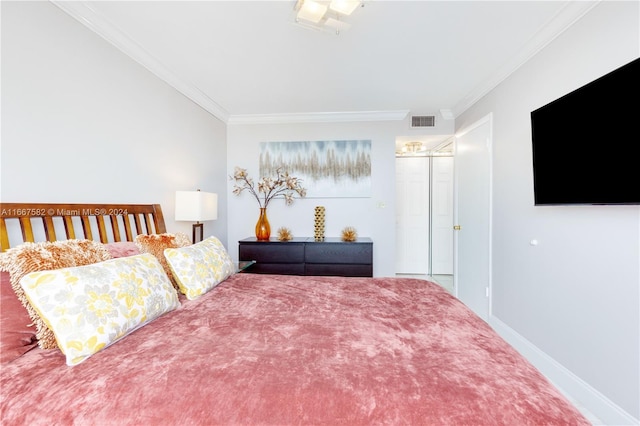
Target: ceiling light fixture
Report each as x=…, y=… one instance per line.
x=346, y=7
x=412, y=147
x=311, y=11
x=325, y=15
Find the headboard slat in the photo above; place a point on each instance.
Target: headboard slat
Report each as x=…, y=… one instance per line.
x=74, y=217
x=127, y=228
x=147, y=222
x=49, y=229
x=86, y=227
x=115, y=227
x=102, y=231
x=136, y=219
x=4, y=236
x=27, y=230
x=68, y=228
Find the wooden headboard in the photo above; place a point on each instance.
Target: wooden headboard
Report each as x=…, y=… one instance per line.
x=32, y=222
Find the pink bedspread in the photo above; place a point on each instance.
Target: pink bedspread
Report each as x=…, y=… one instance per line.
x=282, y=350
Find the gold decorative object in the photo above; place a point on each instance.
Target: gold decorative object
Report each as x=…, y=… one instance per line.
x=263, y=228
x=284, y=234
x=349, y=234
x=318, y=227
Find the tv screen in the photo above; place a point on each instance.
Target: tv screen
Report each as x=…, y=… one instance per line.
x=585, y=143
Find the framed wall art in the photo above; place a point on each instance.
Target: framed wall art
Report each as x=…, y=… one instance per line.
x=339, y=168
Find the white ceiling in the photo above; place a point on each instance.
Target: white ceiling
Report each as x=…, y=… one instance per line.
x=240, y=58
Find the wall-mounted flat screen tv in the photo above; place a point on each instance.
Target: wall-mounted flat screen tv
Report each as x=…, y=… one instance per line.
x=585, y=144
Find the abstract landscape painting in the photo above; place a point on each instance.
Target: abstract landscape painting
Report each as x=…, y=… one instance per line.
x=339, y=168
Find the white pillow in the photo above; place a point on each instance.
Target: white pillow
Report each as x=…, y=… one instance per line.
x=200, y=267
x=90, y=307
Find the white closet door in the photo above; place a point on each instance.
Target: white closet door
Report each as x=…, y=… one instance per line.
x=442, y=216
x=412, y=215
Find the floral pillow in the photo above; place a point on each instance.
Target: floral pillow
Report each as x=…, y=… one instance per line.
x=156, y=243
x=90, y=307
x=47, y=255
x=200, y=267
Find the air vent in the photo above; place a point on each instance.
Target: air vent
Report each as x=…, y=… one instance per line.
x=423, y=120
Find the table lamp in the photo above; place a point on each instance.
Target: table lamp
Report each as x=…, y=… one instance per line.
x=196, y=206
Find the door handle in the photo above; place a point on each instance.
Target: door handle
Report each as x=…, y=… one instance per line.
x=457, y=227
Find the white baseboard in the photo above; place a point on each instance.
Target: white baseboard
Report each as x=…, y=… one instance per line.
x=576, y=389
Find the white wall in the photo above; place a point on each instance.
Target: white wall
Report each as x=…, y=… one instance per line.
x=575, y=296
x=366, y=214
x=81, y=122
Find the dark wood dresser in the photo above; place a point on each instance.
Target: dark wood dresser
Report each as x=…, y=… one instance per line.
x=305, y=256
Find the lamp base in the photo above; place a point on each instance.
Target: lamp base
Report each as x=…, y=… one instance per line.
x=200, y=228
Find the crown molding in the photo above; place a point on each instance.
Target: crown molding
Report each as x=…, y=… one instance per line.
x=318, y=117
x=562, y=20
x=98, y=23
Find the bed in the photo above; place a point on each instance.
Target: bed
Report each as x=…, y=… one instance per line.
x=260, y=349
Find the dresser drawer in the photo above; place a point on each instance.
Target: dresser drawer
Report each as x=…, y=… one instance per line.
x=339, y=252
x=272, y=252
x=277, y=268
x=339, y=270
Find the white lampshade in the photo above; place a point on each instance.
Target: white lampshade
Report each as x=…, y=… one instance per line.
x=196, y=206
